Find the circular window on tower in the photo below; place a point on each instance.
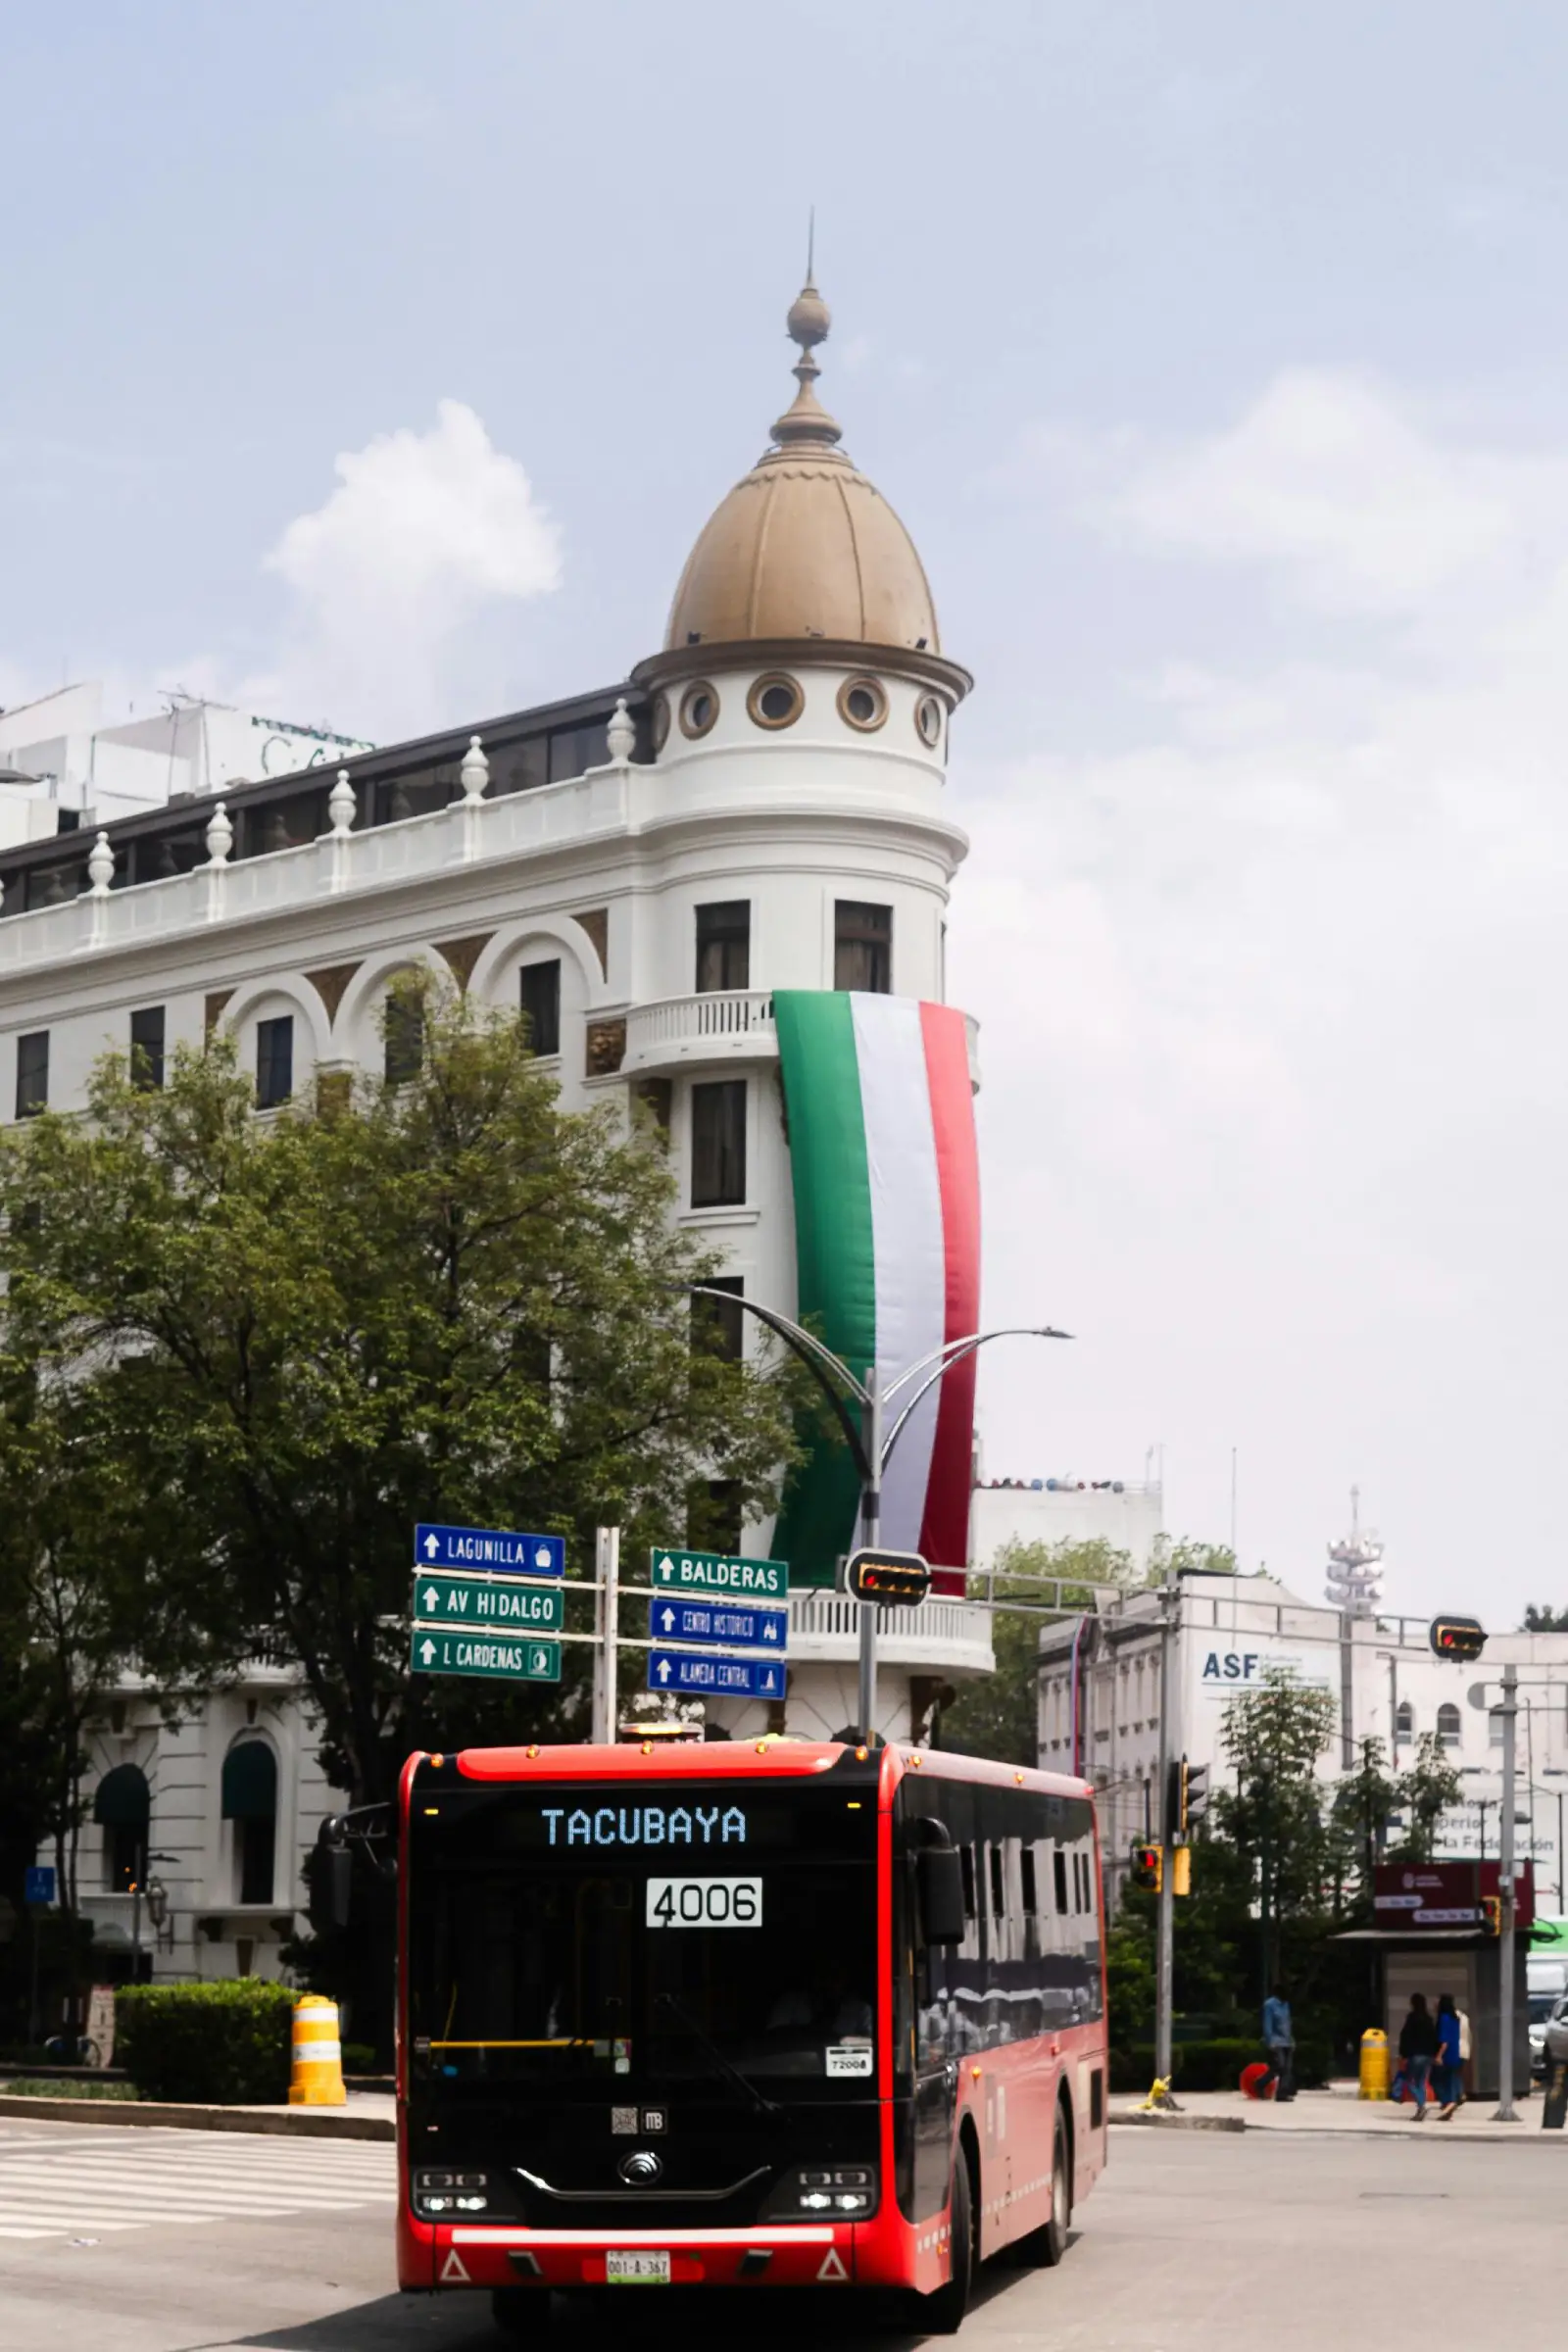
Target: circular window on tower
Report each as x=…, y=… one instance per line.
x=698, y=709
x=928, y=719
x=661, y=722
x=776, y=699
x=862, y=703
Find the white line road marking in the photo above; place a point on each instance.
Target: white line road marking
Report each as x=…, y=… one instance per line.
x=84, y=2186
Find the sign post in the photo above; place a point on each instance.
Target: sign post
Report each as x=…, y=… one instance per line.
x=38, y=1893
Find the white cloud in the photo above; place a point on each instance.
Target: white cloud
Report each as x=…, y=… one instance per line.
x=422, y=531
x=1272, y=998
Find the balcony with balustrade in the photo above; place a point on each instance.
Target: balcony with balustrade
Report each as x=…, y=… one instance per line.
x=943, y=1634
x=724, y=1024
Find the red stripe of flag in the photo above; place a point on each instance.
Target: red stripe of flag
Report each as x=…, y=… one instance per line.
x=945, y=1528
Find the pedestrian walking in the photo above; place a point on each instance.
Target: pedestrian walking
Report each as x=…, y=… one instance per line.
x=1418, y=2046
x=1279, y=2041
x=1449, y=2073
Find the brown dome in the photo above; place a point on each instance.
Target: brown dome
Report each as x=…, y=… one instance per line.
x=805, y=546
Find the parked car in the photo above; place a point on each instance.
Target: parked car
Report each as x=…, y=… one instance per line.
x=1555, y=2035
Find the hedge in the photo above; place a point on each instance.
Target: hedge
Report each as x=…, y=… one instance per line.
x=224, y=2043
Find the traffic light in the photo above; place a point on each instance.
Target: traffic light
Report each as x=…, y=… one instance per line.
x=1187, y=1799
x=892, y=1578
x=1181, y=1871
x=1492, y=1914
x=1460, y=1639
x=1148, y=1867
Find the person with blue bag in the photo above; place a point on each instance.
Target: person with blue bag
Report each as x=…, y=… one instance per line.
x=1448, y=2074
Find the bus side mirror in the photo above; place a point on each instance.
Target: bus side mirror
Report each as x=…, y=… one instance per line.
x=939, y=1883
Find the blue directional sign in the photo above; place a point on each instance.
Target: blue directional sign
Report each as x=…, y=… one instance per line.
x=40, y=1883
x=719, y=1621
x=497, y=1548
x=715, y=1677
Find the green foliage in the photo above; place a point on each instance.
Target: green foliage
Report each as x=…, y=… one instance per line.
x=1544, y=1620
x=54, y=2087
x=223, y=2044
x=1215, y=2064
x=444, y=1298
x=1187, y=1555
x=1427, y=1791
x=998, y=1715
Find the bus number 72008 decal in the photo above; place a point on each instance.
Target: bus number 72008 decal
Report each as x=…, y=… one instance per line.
x=705, y=1902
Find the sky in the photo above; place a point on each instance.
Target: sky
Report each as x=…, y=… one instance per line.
x=377, y=364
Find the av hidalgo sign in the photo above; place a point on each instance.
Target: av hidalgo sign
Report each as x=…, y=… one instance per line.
x=1438, y=1897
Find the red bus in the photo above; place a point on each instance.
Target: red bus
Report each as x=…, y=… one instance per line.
x=765, y=2013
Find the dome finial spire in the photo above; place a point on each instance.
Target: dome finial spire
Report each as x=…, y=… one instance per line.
x=807, y=324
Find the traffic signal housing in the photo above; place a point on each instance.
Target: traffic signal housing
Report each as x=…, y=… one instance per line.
x=1492, y=1914
x=1459, y=1639
x=1186, y=1800
x=1181, y=1871
x=1148, y=1867
x=892, y=1578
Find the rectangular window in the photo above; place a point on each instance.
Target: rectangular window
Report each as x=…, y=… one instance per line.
x=998, y=1898
x=274, y=1062
x=966, y=1865
x=540, y=987
x=724, y=944
x=862, y=947
x=32, y=1074
x=718, y=1325
x=255, y=1840
x=1060, y=1872
x=1026, y=1871
x=719, y=1144
x=147, y=1048
x=405, y=1036
x=125, y=1856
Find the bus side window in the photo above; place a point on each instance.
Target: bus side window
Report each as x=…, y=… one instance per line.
x=998, y=1904
x=1060, y=1867
x=1026, y=1871
x=966, y=1864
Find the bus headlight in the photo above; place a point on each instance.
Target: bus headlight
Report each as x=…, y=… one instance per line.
x=847, y=2188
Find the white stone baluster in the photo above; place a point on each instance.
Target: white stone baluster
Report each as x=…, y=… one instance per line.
x=473, y=775
x=100, y=875
x=342, y=807
x=220, y=841
x=622, y=735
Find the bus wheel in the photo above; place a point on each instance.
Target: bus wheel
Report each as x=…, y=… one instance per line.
x=1046, y=2245
x=942, y=2314
x=521, y=2313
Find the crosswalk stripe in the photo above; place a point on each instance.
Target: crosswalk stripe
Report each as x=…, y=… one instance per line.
x=89, y=2187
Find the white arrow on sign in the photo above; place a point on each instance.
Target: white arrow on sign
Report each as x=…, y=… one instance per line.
x=666, y=1565
x=431, y=1547
x=669, y=1619
x=427, y=1652
x=433, y=1594
x=663, y=1670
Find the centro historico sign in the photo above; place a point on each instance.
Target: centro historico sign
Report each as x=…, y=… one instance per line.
x=1426, y=1897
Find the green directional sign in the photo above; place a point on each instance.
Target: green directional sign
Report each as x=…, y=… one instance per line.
x=501, y=1604
x=437, y=1651
x=713, y=1572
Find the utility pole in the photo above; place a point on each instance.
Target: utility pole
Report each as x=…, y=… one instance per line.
x=1165, y=1945
x=607, y=1572
x=1510, y=1711
x=870, y=1536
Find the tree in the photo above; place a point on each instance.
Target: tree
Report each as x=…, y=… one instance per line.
x=1187, y=1555
x=1544, y=1620
x=1427, y=1791
x=1365, y=1802
x=1000, y=1715
x=1273, y=1737
x=444, y=1298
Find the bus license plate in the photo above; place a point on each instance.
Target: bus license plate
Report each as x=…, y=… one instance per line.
x=636, y=2270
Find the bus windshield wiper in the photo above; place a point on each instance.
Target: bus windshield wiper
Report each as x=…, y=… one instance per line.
x=758, y=2098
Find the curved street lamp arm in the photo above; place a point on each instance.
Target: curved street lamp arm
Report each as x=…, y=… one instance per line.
x=943, y=1357
x=950, y=1356
x=817, y=1360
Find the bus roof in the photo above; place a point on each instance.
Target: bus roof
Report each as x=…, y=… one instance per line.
x=768, y=1757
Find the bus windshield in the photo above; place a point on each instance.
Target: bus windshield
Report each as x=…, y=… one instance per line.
x=635, y=1936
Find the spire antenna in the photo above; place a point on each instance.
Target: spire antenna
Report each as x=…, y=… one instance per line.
x=810, y=245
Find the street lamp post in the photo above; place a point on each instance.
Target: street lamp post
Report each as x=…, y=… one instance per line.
x=1509, y=1711
x=871, y=1444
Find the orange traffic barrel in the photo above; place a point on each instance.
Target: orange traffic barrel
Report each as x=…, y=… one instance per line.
x=315, y=2076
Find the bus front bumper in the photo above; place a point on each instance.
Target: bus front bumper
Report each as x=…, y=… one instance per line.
x=506, y=2254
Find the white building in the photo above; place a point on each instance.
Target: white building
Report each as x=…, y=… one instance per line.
x=1129, y=1514
x=763, y=806
x=60, y=769
x=1099, y=1702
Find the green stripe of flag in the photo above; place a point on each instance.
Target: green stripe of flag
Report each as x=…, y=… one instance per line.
x=836, y=1272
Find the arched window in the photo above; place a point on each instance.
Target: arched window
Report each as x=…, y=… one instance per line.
x=250, y=1803
x=122, y=1806
x=1450, y=1730
x=1404, y=1720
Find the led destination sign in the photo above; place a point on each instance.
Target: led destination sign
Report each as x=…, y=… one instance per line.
x=644, y=1825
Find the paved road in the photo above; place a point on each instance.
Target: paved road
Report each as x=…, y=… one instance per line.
x=87, y=2184
x=1194, y=2242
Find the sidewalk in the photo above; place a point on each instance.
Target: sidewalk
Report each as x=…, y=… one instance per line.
x=365, y=2114
x=1339, y=2110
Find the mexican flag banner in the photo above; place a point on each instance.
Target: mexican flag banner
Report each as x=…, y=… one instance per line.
x=887, y=1236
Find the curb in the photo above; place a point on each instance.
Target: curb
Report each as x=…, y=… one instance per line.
x=301, y=2123
x=1186, y=2123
